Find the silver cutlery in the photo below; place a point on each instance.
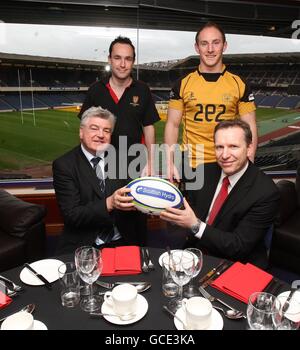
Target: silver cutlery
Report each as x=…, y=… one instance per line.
x=287, y=302
x=212, y=298
x=140, y=286
x=144, y=266
x=121, y=317
x=174, y=315
x=15, y=287
x=9, y=292
x=28, y=308
x=47, y=284
x=150, y=263
x=232, y=315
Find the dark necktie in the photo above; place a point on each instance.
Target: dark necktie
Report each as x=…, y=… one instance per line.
x=220, y=199
x=99, y=172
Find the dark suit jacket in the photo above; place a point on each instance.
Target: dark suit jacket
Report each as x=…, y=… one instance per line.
x=240, y=227
x=83, y=206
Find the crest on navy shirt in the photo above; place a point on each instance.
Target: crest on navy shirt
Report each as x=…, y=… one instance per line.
x=135, y=100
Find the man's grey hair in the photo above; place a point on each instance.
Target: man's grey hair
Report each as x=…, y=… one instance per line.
x=98, y=112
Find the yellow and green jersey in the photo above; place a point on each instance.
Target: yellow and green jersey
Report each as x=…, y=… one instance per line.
x=206, y=99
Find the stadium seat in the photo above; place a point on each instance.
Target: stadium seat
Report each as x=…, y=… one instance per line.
x=285, y=248
x=22, y=231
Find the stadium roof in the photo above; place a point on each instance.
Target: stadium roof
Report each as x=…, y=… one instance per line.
x=256, y=17
x=41, y=61
x=191, y=61
x=259, y=58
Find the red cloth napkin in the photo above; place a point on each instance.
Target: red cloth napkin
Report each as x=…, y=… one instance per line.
x=125, y=260
x=4, y=300
x=240, y=281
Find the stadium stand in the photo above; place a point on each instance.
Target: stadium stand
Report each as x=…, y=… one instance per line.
x=44, y=82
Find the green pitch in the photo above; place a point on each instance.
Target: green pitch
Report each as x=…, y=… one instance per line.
x=26, y=145
x=56, y=132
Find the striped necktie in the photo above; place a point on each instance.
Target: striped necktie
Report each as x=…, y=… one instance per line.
x=99, y=173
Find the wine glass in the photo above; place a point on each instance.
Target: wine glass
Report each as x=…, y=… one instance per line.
x=192, y=289
x=181, y=267
x=262, y=311
x=88, y=262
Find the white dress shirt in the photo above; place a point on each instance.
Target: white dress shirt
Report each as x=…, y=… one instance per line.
x=89, y=157
x=233, y=179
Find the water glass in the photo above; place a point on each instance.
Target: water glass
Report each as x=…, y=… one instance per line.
x=192, y=287
x=262, y=311
x=169, y=287
x=70, y=284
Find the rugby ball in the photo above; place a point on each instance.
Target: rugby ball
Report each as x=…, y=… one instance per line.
x=151, y=195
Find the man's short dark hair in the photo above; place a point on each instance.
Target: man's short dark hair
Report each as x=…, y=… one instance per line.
x=235, y=123
x=211, y=25
x=121, y=40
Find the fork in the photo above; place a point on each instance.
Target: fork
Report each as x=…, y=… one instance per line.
x=15, y=287
x=7, y=291
x=212, y=298
x=150, y=263
x=105, y=284
x=144, y=266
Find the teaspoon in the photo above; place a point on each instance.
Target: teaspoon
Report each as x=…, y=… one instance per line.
x=231, y=314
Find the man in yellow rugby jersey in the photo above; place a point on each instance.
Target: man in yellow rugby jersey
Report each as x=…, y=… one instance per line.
x=204, y=98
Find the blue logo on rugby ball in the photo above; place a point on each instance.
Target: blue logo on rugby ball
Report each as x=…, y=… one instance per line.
x=154, y=192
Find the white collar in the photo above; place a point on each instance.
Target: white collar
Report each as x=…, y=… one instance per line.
x=89, y=155
x=234, y=178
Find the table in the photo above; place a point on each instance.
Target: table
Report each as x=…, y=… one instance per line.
x=56, y=317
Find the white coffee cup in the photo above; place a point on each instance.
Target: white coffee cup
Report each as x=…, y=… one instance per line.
x=19, y=321
x=198, y=313
x=123, y=299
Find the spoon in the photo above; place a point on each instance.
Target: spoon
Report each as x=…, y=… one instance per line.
x=231, y=314
x=140, y=286
x=126, y=317
x=28, y=308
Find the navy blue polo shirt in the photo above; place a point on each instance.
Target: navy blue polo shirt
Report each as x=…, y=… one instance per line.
x=134, y=110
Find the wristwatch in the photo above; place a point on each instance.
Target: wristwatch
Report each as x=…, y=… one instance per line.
x=195, y=228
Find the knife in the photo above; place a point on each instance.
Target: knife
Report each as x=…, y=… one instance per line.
x=39, y=276
x=218, y=272
x=286, y=304
x=211, y=272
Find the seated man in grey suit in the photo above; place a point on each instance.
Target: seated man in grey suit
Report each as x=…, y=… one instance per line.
x=95, y=209
x=236, y=205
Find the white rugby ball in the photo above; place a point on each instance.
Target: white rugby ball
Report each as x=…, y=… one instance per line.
x=153, y=194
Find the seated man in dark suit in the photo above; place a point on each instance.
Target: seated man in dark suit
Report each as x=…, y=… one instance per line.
x=236, y=205
x=95, y=209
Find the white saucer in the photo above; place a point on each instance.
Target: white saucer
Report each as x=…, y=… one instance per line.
x=142, y=308
x=293, y=308
x=175, y=252
x=39, y=326
x=216, y=320
x=296, y=296
x=46, y=267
